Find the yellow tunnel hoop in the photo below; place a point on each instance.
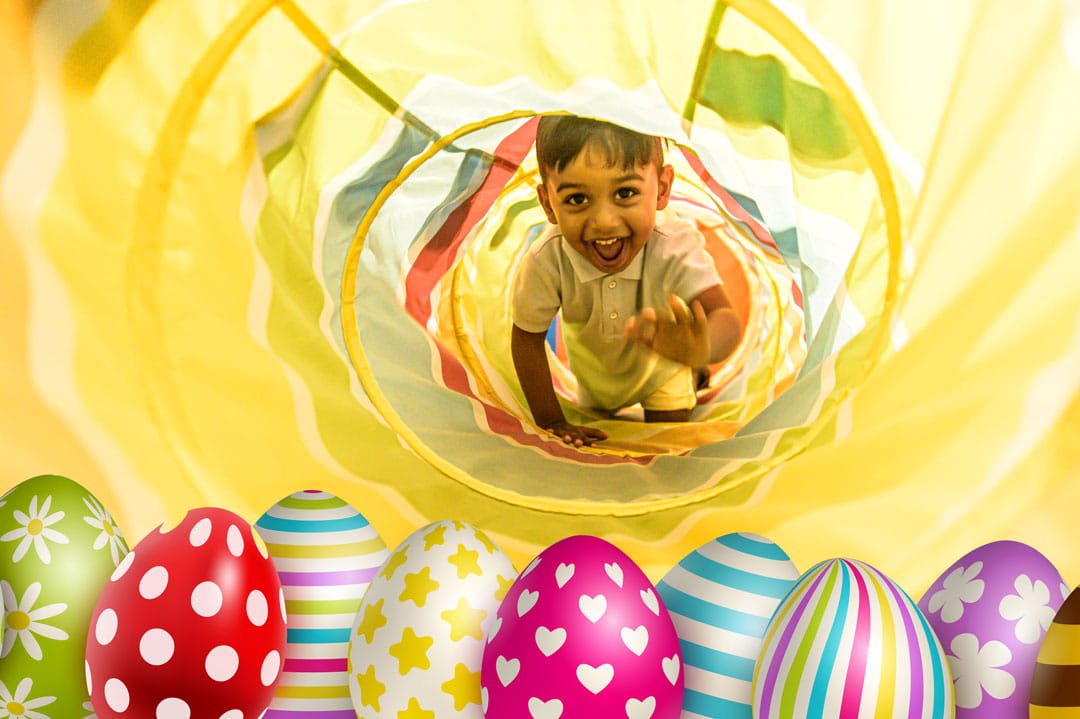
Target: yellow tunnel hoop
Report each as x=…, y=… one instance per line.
x=792, y=38
x=151, y=199
x=773, y=21
x=173, y=140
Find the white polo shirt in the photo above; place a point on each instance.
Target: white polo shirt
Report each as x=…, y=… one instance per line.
x=553, y=276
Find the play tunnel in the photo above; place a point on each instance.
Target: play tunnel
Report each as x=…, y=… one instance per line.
x=256, y=247
x=415, y=242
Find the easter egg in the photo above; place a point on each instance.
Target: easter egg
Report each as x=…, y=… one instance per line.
x=58, y=546
x=419, y=633
x=1055, y=683
x=721, y=597
x=991, y=609
x=326, y=554
x=845, y=642
x=191, y=624
x=582, y=633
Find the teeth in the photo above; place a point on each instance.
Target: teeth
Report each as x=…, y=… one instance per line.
x=606, y=243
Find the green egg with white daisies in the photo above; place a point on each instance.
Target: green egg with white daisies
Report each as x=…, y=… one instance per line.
x=58, y=547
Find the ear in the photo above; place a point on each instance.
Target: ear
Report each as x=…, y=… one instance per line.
x=545, y=202
x=664, y=180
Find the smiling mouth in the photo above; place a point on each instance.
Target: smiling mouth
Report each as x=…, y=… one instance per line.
x=609, y=251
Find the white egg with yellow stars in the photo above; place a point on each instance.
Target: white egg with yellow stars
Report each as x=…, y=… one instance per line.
x=418, y=639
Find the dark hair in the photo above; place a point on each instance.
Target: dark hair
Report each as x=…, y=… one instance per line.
x=561, y=138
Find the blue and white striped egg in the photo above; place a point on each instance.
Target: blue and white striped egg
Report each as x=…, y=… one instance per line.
x=847, y=641
x=721, y=597
x=326, y=554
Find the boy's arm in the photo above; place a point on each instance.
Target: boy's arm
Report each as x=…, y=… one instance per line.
x=725, y=330
x=706, y=331
x=534, y=374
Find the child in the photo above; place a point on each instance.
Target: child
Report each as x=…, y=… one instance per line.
x=642, y=303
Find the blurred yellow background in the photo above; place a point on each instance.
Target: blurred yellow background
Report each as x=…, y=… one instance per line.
x=139, y=342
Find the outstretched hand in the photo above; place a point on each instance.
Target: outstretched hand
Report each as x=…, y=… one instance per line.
x=677, y=332
x=576, y=435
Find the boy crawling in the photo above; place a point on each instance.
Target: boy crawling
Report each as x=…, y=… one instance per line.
x=642, y=304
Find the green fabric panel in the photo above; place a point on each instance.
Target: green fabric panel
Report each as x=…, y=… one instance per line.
x=756, y=90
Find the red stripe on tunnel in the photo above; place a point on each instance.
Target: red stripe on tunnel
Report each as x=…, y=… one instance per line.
x=734, y=208
x=438, y=255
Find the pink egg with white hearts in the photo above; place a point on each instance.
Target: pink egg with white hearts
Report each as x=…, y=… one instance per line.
x=991, y=609
x=191, y=624
x=582, y=633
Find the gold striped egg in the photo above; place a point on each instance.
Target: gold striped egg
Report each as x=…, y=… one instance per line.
x=1055, y=685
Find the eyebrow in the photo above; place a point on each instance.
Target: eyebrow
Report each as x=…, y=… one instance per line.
x=627, y=177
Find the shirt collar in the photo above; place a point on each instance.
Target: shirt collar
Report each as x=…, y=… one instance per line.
x=586, y=271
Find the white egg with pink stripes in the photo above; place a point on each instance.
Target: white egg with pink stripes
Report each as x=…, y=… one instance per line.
x=326, y=554
x=848, y=642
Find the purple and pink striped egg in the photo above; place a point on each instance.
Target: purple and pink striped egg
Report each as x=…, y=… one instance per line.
x=848, y=642
x=325, y=554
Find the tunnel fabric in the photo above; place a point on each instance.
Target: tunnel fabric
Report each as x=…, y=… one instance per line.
x=256, y=244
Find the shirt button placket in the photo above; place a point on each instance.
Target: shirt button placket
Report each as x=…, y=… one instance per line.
x=611, y=305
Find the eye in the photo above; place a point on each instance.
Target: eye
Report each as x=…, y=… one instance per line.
x=626, y=193
x=575, y=199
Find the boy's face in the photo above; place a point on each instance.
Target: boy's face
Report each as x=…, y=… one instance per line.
x=605, y=213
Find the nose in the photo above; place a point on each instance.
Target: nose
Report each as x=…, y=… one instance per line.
x=605, y=217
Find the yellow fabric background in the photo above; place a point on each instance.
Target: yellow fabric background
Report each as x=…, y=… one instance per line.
x=966, y=434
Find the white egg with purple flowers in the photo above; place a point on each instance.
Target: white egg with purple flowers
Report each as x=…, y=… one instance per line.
x=991, y=609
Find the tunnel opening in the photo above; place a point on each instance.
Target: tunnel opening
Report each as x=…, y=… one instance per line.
x=417, y=239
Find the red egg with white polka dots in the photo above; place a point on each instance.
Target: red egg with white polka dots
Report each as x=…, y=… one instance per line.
x=191, y=625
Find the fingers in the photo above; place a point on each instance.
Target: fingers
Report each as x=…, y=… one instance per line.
x=647, y=332
x=649, y=318
x=578, y=436
x=700, y=318
x=669, y=326
x=586, y=436
x=700, y=326
x=642, y=327
x=571, y=439
x=681, y=313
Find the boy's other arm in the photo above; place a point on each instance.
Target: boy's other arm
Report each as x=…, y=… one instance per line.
x=725, y=329
x=534, y=374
